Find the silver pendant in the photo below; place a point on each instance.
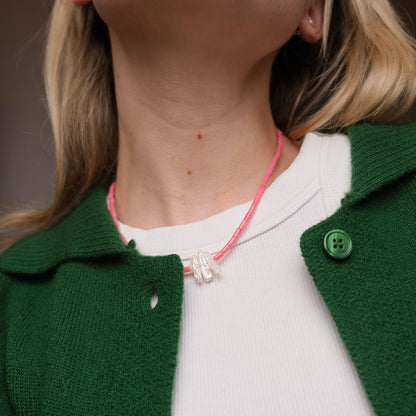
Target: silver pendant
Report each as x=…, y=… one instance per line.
x=204, y=266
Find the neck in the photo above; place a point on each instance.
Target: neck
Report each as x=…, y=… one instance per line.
x=195, y=138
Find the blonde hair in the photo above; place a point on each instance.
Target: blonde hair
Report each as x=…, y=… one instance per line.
x=363, y=69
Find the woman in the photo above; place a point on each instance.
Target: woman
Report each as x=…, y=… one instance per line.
x=243, y=130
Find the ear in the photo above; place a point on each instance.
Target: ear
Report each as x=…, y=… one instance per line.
x=311, y=25
x=81, y=2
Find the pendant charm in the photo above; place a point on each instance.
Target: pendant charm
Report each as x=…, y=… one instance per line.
x=204, y=266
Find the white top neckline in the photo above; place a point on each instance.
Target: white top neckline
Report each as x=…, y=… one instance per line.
x=288, y=192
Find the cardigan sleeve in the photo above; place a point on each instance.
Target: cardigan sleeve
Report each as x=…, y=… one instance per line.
x=5, y=405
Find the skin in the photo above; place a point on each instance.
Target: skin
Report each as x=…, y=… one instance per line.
x=192, y=87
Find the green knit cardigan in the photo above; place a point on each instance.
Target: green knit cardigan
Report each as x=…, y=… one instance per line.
x=78, y=335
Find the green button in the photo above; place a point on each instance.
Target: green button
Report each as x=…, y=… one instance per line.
x=338, y=244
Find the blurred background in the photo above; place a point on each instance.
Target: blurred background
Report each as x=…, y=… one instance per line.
x=27, y=171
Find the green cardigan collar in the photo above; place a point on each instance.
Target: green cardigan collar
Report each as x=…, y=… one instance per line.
x=379, y=155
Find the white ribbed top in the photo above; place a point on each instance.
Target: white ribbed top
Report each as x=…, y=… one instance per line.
x=259, y=339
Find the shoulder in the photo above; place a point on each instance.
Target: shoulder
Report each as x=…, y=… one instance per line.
x=390, y=148
x=380, y=155
x=86, y=232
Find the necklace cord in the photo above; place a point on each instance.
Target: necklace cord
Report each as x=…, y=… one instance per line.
x=244, y=222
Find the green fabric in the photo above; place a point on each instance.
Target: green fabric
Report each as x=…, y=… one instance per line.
x=78, y=335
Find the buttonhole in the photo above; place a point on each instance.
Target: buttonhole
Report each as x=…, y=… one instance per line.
x=154, y=299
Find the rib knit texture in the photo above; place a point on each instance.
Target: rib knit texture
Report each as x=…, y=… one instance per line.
x=78, y=334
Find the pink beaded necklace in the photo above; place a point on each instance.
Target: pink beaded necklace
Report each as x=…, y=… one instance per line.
x=204, y=265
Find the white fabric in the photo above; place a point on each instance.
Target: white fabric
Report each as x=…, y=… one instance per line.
x=259, y=339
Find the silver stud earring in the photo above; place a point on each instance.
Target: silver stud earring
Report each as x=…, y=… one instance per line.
x=310, y=21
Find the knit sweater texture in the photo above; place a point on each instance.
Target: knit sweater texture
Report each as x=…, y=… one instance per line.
x=78, y=334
